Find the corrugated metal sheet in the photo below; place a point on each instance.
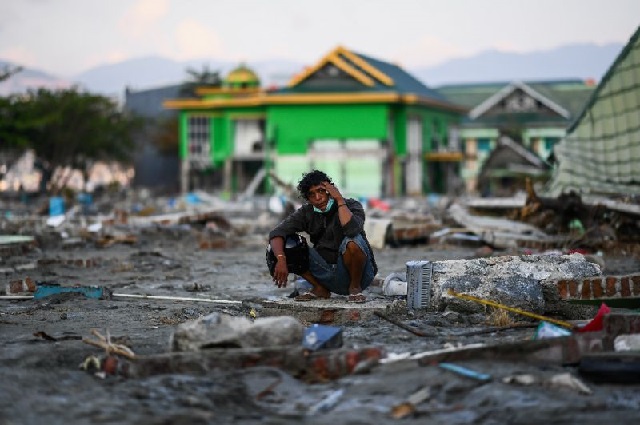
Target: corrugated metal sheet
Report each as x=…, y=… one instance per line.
x=601, y=152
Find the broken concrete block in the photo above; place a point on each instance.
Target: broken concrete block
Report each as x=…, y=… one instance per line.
x=615, y=324
x=627, y=343
x=318, y=366
x=516, y=281
x=564, y=350
x=223, y=331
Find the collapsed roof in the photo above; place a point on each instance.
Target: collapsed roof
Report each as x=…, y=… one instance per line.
x=600, y=154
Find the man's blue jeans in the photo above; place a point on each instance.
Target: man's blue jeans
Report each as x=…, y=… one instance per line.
x=335, y=277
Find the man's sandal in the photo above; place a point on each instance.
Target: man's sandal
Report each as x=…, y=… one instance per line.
x=358, y=298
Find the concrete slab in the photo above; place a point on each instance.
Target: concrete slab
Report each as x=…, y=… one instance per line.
x=334, y=311
x=15, y=239
x=15, y=245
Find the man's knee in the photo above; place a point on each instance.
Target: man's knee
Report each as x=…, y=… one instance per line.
x=353, y=250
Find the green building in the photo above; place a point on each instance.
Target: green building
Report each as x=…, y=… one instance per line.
x=369, y=124
x=531, y=116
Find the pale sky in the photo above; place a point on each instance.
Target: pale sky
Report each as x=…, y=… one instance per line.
x=66, y=37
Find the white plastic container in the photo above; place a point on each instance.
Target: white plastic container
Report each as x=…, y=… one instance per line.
x=395, y=284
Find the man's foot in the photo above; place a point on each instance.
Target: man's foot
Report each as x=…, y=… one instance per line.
x=310, y=296
x=358, y=298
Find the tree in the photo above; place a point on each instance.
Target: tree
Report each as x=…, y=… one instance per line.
x=13, y=123
x=69, y=128
x=204, y=78
x=8, y=71
x=10, y=134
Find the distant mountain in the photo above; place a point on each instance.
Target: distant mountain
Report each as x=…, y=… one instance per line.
x=29, y=78
x=571, y=61
x=581, y=61
x=152, y=72
x=139, y=73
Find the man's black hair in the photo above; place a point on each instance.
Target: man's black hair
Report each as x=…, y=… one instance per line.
x=312, y=178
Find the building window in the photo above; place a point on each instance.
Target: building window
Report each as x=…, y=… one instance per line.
x=484, y=145
x=550, y=142
x=199, y=139
x=436, y=141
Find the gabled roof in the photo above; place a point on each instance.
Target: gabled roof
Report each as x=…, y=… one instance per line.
x=523, y=152
x=601, y=152
x=340, y=77
x=373, y=75
x=511, y=158
x=570, y=94
x=509, y=89
x=350, y=63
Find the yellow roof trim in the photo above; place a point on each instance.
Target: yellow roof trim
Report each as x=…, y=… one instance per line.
x=363, y=64
x=305, y=99
x=306, y=73
x=202, y=91
x=337, y=61
x=334, y=58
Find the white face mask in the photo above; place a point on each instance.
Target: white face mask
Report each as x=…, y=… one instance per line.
x=329, y=205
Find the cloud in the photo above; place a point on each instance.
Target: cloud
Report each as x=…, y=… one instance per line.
x=19, y=56
x=140, y=18
x=507, y=46
x=110, y=57
x=195, y=40
x=428, y=51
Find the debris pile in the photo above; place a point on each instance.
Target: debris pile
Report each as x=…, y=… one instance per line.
x=184, y=284
x=567, y=222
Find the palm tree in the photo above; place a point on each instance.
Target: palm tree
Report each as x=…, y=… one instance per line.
x=204, y=78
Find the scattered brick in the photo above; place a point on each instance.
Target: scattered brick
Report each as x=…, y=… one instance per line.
x=315, y=366
x=573, y=288
x=327, y=317
x=596, y=286
x=636, y=284
x=586, y=289
x=600, y=287
x=353, y=315
x=611, y=286
x=20, y=286
x=625, y=289
x=563, y=289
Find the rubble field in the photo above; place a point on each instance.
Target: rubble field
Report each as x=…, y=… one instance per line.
x=422, y=365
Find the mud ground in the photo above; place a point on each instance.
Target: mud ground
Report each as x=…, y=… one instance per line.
x=41, y=383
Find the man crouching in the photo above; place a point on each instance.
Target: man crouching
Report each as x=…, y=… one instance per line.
x=341, y=260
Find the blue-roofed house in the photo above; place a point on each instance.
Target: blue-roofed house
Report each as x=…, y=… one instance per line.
x=373, y=127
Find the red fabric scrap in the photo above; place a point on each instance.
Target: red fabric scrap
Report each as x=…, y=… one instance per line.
x=596, y=323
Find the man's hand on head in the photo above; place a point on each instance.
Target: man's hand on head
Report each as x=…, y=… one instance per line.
x=332, y=190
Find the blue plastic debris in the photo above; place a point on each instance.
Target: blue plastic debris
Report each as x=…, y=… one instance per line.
x=327, y=403
x=56, y=206
x=465, y=372
x=48, y=289
x=319, y=336
x=192, y=198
